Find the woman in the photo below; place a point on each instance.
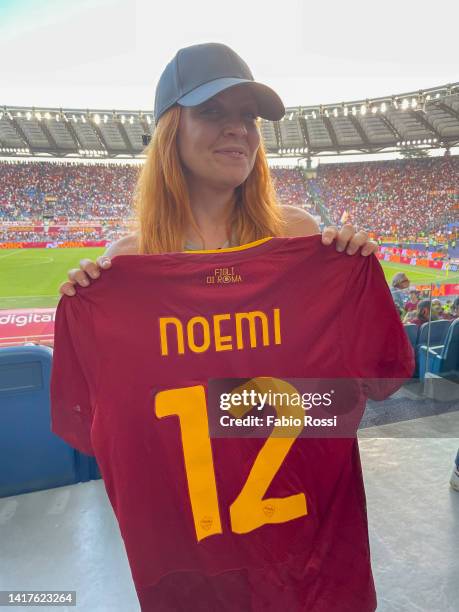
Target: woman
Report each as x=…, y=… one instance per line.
x=206, y=185
x=218, y=190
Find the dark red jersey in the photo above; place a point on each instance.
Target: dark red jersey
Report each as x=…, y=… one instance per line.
x=227, y=523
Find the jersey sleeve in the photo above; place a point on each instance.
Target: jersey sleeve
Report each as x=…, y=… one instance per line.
x=375, y=345
x=74, y=373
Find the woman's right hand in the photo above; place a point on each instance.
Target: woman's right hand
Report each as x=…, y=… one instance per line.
x=88, y=270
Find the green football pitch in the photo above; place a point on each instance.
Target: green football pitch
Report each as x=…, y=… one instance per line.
x=30, y=278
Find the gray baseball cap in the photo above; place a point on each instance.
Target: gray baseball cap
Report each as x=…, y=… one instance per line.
x=200, y=72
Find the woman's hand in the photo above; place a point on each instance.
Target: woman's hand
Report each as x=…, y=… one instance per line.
x=349, y=240
x=81, y=276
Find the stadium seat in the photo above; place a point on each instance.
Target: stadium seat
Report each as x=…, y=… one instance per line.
x=442, y=360
x=431, y=335
x=31, y=456
x=437, y=334
x=412, y=332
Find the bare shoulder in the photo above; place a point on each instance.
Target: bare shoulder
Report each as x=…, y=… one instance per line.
x=298, y=222
x=128, y=245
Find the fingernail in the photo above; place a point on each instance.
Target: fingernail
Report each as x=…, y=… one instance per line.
x=340, y=249
x=105, y=263
x=71, y=292
x=85, y=282
x=326, y=240
x=95, y=274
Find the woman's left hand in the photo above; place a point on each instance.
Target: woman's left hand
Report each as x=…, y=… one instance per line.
x=347, y=239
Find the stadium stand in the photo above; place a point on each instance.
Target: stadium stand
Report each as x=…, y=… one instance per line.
x=81, y=192
x=404, y=198
x=401, y=197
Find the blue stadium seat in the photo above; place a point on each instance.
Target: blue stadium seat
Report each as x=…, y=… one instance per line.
x=31, y=456
x=442, y=360
x=435, y=338
x=437, y=335
x=412, y=332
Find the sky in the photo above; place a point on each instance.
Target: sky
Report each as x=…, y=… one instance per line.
x=109, y=54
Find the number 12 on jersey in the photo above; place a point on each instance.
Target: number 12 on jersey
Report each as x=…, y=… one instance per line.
x=250, y=509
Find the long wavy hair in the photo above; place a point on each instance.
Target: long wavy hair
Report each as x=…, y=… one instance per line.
x=162, y=203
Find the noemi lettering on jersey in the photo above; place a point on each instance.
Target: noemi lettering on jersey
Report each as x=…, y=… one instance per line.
x=220, y=332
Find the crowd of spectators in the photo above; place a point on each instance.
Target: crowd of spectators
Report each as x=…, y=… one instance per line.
x=290, y=186
x=70, y=192
x=77, y=192
x=400, y=197
x=417, y=307
x=420, y=309
x=393, y=198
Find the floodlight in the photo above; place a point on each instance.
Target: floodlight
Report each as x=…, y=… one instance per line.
x=131, y=119
x=83, y=118
x=18, y=114
x=47, y=115
x=123, y=118
x=57, y=116
x=383, y=107
x=414, y=103
x=38, y=116
x=97, y=119
x=345, y=111
x=405, y=104
x=354, y=111
x=105, y=118
x=374, y=110
x=363, y=109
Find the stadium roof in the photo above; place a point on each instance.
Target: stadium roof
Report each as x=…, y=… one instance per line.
x=421, y=119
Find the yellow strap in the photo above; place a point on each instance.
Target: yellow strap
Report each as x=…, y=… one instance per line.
x=243, y=247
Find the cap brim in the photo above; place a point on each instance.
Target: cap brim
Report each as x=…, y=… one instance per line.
x=269, y=104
